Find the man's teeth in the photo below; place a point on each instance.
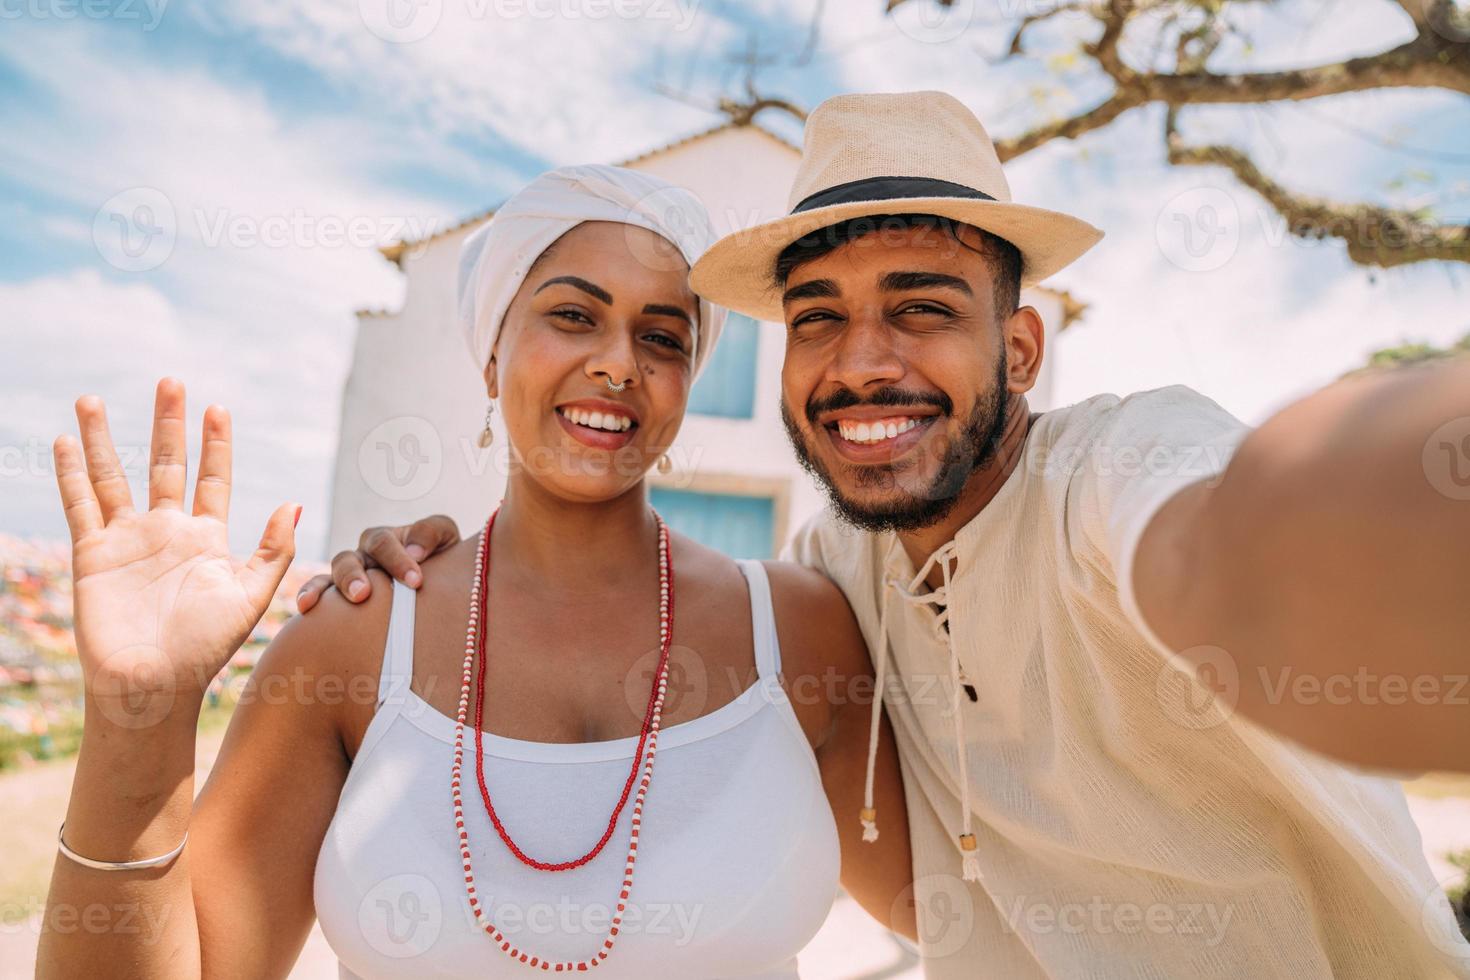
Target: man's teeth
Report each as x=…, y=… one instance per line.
x=875, y=431
x=598, y=420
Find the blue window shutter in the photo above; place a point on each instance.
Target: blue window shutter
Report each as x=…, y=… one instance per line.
x=727, y=386
x=741, y=527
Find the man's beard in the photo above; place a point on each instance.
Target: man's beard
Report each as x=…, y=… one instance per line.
x=907, y=510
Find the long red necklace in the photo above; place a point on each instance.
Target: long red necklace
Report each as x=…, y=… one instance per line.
x=647, y=747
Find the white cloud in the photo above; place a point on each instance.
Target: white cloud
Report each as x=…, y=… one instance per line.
x=569, y=80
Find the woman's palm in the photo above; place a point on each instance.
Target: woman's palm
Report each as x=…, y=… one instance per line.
x=159, y=605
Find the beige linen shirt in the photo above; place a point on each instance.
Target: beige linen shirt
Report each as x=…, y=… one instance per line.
x=1129, y=825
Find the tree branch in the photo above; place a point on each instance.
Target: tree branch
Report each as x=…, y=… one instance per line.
x=1374, y=235
x=1095, y=118
x=1437, y=57
x=741, y=113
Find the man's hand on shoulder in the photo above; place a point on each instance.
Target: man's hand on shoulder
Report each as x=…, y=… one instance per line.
x=395, y=550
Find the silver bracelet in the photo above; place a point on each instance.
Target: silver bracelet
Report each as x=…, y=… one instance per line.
x=119, y=865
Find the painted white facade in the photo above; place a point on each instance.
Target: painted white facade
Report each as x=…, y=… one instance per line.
x=413, y=404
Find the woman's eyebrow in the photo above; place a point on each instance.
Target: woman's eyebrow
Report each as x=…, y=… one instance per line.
x=663, y=309
x=591, y=289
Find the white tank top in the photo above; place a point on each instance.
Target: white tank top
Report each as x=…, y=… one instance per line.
x=737, y=864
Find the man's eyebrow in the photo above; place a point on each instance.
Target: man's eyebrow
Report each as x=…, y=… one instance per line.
x=815, y=289
x=664, y=309
x=591, y=289
x=897, y=282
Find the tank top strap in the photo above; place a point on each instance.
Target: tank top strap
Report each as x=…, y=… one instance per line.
x=397, y=671
x=762, y=618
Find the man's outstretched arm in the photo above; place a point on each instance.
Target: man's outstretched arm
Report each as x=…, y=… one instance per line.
x=396, y=550
x=1330, y=570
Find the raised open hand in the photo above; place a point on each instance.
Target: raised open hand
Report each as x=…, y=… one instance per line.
x=159, y=606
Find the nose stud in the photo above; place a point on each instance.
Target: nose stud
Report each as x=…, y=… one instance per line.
x=615, y=387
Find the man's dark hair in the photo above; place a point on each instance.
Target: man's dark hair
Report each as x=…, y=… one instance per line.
x=1003, y=257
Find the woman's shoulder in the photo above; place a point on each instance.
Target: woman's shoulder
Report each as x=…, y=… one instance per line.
x=336, y=636
x=814, y=621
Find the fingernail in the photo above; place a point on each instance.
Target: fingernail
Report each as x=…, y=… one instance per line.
x=416, y=552
x=297, y=520
x=412, y=578
x=356, y=589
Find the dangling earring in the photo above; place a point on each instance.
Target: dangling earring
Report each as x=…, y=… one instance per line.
x=488, y=436
x=665, y=465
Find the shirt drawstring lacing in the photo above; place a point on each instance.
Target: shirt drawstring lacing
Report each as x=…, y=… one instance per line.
x=909, y=592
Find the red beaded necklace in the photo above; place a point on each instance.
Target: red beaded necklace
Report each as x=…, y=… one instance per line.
x=647, y=743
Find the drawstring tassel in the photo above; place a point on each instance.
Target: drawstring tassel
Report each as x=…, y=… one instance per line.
x=869, y=814
x=970, y=866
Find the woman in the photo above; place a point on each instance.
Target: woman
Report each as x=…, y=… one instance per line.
x=379, y=753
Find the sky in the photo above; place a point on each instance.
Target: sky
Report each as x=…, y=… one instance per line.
x=199, y=189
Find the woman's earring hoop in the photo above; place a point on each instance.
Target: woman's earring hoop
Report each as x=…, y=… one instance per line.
x=665, y=465
x=488, y=435
x=615, y=388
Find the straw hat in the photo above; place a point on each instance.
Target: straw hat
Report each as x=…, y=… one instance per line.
x=912, y=152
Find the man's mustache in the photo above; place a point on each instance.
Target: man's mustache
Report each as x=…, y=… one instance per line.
x=882, y=398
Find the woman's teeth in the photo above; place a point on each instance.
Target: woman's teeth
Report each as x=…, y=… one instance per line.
x=598, y=420
x=875, y=431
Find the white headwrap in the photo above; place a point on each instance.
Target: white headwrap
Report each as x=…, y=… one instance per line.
x=495, y=258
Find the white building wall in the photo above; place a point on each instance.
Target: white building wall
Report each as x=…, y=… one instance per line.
x=413, y=403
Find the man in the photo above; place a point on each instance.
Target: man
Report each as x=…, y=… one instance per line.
x=1067, y=610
